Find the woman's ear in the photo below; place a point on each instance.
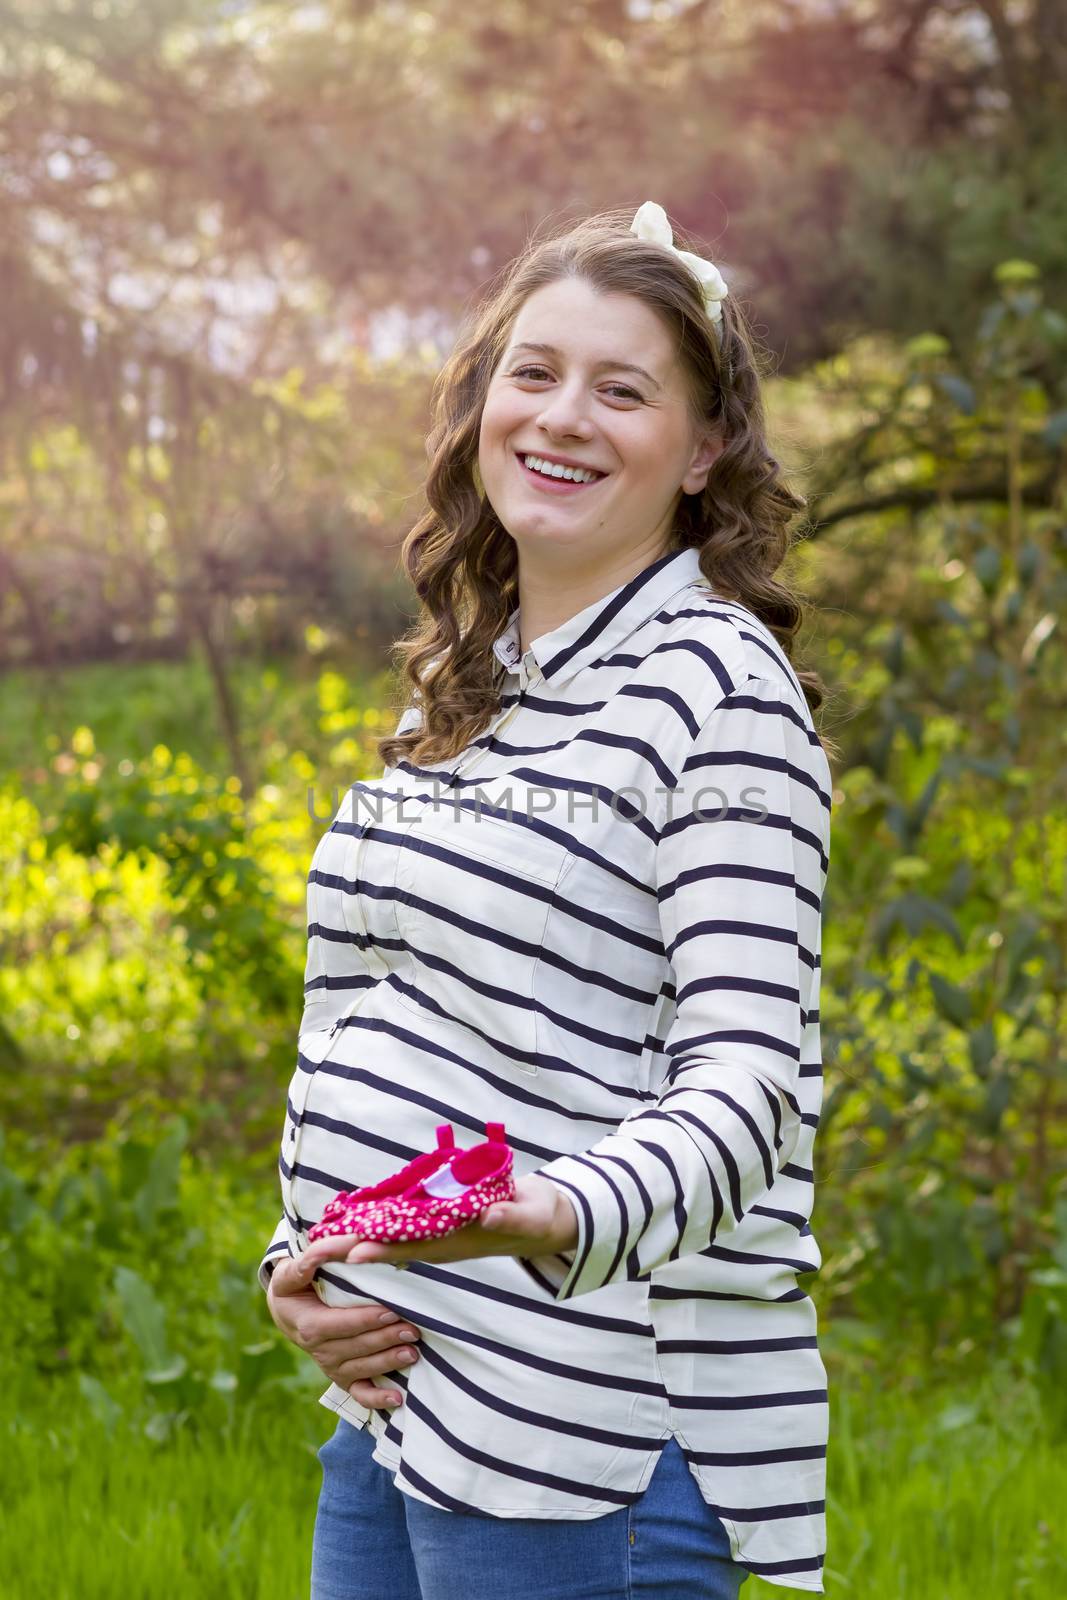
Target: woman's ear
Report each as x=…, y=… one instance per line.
x=704, y=457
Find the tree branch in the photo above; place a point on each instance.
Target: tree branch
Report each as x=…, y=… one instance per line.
x=1034, y=494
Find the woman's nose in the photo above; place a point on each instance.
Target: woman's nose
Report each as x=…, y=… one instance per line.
x=565, y=423
x=566, y=412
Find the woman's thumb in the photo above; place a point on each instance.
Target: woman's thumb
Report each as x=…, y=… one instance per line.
x=292, y=1276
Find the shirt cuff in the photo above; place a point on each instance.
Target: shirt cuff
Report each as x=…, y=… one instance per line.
x=556, y=1274
x=279, y=1246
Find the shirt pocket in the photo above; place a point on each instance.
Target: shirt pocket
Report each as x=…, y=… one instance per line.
x=599, y=984
x=473, y=896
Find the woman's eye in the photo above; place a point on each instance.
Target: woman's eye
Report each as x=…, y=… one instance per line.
x=540, y=372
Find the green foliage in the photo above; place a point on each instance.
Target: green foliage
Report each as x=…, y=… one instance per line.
x=131, y=1266
x=96, y=974
x=945, y=970
x=168, y=809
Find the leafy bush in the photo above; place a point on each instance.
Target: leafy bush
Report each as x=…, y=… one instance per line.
x=132, y=1266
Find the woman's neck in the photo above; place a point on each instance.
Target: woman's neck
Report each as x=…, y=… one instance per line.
x=549, y=597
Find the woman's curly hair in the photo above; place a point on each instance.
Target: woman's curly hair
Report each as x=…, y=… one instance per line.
x=463, y=562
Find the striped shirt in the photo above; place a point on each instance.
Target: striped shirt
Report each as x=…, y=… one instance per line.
x=600, y=924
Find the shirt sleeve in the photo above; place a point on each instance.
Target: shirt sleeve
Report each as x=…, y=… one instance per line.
x=332, y=972
x=278, y=1247
x=740, y=868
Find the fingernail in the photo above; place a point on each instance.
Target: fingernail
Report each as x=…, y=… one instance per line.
x=389, y=1316
x=394, y=1400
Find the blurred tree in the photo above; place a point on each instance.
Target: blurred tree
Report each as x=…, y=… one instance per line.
x=218, y=217
x=227, y=143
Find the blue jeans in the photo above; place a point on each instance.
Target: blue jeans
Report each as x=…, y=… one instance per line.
x=373, y=1542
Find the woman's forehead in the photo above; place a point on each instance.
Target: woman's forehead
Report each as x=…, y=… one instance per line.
x=556, y=319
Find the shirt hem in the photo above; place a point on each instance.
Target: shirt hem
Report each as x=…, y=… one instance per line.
x=787, y=1583
x=386, y=1456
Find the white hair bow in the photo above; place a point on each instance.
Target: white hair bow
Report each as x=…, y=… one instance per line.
x=650, y=222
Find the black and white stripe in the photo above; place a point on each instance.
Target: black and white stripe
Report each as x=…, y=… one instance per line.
x=601, y=925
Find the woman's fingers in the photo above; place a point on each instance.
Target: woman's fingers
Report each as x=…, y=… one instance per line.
x=351, y=1344
x=355, y=1357
x=368, y=1337
x=355, y=1372
x=357, y=1368
x=369, y=1394
x=303, y=1318
x=361, y=1346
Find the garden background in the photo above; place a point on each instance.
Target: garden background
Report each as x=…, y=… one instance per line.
x=235, y=244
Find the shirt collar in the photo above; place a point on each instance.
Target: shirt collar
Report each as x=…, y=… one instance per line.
x=596, y=631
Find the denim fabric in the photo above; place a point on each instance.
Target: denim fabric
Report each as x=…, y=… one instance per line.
x=372, y=1542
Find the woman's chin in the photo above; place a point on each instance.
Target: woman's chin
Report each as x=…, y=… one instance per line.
x=542, y=531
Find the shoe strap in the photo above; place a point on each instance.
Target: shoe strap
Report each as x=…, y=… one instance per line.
x=495, y=1132
x=446, y=1136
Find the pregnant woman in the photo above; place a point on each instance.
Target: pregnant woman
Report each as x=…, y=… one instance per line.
x=583, y=902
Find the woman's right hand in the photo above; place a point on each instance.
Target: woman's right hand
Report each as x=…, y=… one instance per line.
x=350, y=1343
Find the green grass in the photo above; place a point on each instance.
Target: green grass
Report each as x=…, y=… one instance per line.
x=939, y=1494
x=88, y=1517
x=936, y=1494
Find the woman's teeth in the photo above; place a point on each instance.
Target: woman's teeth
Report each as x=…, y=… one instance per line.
x=552, y=469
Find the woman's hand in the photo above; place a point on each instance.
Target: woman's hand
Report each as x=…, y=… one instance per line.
x=350, y=1343
x=540, y=1221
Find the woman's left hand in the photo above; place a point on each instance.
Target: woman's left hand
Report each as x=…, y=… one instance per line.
x=539, y=1221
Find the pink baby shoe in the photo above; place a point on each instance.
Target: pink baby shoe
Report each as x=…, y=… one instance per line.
x=343, y=1211
x=441, y=1201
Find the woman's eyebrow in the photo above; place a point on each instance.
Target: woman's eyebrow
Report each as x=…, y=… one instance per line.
x=616, y=366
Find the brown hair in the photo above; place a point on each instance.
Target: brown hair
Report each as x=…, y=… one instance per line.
x=463, y=562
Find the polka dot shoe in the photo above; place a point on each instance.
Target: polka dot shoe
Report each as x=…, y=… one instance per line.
x=343, y=1210
x=437, y=1202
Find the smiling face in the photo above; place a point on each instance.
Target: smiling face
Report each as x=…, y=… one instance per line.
x=577, y=398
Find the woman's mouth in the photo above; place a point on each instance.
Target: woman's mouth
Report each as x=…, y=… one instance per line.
x=553, y=485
